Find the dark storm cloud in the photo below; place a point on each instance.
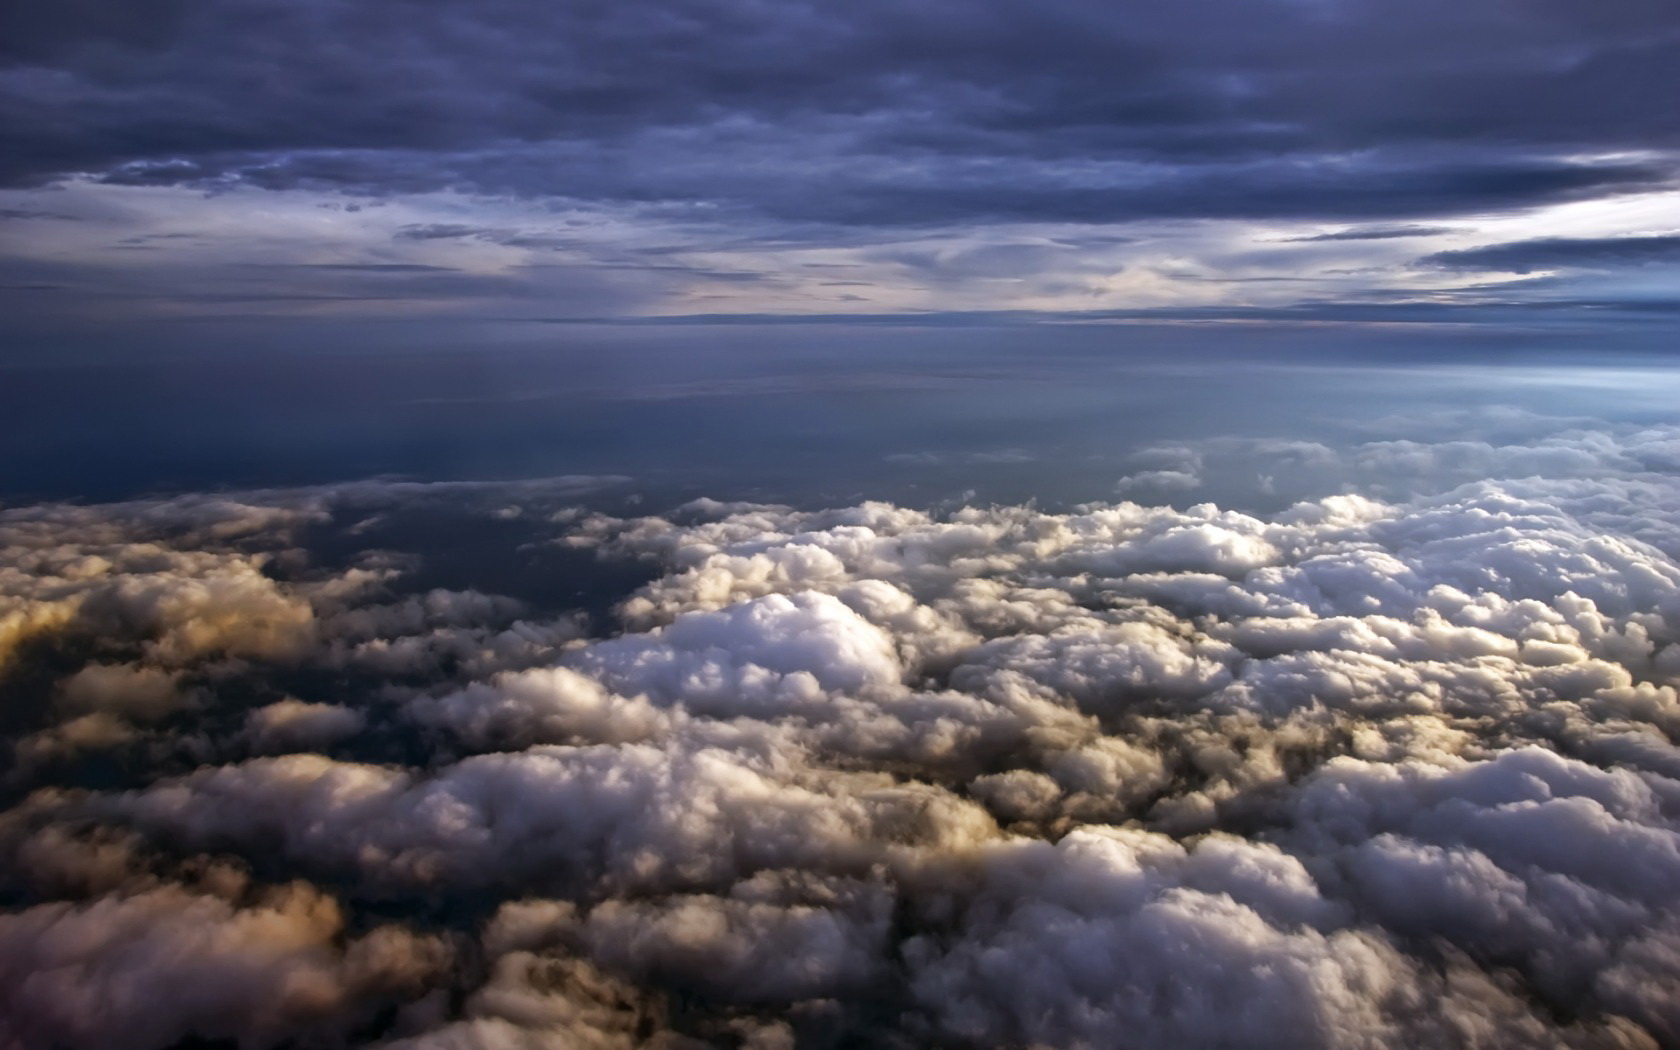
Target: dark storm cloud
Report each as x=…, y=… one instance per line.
x=1552, y=253
x=905, y=113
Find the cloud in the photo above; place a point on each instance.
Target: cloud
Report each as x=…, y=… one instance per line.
x=895, y=114
x=1359, y=771
x=1159, y=481
x=1113, y=929
x=513, y=163
x=140, y=693
x=292, y=724
x=1371, y=233
x=89, y=975
x=1554, y=253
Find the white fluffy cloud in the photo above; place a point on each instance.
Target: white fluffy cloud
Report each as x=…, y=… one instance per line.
x=1373, y=770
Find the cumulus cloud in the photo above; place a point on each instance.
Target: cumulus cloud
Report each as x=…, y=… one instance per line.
x=293, y=724
x=141, y=693
x=1381, y=769
x=91, y=974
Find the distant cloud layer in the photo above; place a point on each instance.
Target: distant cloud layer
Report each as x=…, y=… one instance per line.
x=1390, y=771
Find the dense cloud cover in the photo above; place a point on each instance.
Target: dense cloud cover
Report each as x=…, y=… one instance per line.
x=1076, y=111
x=1386, y=769
x=581, y=161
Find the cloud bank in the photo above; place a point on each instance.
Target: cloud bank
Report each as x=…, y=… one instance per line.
x=1375, y=770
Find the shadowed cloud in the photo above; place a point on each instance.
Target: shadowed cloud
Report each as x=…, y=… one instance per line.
x=1554, y=253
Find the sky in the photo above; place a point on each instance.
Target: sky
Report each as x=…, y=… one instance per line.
x=407, y=173
x=764, y=525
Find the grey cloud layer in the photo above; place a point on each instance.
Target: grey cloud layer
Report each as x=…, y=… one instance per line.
x=1361, y=773
x=1563, y=252
x=863, y=113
